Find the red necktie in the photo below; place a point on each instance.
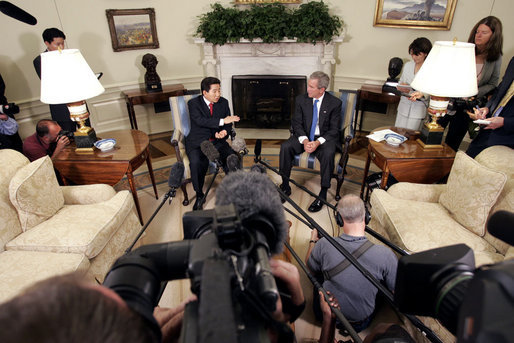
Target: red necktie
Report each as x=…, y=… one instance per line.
x=210, y=107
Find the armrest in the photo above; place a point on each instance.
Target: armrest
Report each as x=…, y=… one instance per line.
x=87, y=194
x=417, y=191
x=177, y=137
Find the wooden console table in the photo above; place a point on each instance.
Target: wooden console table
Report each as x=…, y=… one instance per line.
x=109, y=167
x=371, y=93
x=408, y=162
x=139, y=97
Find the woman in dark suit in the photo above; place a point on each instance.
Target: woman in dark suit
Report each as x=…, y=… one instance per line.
x=488, y=39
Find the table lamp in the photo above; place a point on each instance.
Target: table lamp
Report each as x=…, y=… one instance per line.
x=66, y=78
x=449, y=71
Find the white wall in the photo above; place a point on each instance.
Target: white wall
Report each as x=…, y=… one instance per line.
x=364, y=54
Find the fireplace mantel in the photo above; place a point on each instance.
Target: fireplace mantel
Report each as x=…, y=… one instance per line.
x=286, y=57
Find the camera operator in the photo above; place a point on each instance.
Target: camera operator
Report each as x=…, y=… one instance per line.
x=68, y=308
x=48, y=140
x=9, y=137
x=355, y=294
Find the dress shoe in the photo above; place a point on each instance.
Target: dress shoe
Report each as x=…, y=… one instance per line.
x=198, y=203
x=316, y=206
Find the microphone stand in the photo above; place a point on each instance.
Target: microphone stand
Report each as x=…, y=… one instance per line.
x=318, y=286
x=170, y=194
x=389, y=296
x=202, y=201
x=329, y=205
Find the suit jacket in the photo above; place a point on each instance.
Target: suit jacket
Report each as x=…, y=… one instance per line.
x=505, y=134
x=490, y=77
x=59, y=112
x=203, y=126
x=329, y=117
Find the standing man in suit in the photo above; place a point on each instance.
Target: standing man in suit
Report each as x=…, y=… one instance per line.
x=210, y=120
x=54, y=40
x=316, y=124
x=9, y=136
x=500, y=113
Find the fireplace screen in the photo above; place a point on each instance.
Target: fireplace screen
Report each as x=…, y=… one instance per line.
x=266, y=101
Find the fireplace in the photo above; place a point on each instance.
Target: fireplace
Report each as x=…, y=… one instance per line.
x=266, y=101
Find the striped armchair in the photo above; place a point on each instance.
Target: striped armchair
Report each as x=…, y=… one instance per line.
x=309, y=161
x=181, y=128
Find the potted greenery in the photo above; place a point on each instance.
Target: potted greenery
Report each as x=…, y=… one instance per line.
x=311, y=22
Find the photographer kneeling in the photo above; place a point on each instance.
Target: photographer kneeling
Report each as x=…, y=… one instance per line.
x=48, y=140
x=355, y=294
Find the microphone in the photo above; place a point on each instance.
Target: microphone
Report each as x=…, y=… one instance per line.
x=239, y=146
x=257, y=150
x=17, y=13
x=501, y=225
x=176, y=175
x=211, y=152
x=258, y=204
x=233, y=163
x=255, y=194
x=257, y=168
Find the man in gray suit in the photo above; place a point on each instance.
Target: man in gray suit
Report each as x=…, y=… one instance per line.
x=316, y=125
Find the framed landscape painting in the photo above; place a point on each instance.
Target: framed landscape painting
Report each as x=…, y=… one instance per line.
x=132, y=29
x=415, y=14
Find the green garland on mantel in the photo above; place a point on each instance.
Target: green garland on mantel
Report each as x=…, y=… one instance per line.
x=311, y=22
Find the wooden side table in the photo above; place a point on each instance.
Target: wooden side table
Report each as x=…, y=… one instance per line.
x=371, y=93
x=131, y=151
x=139, y=97
x=408, y=162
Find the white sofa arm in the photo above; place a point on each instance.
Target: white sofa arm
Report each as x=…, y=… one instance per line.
x=416, y=191
x=87, y=194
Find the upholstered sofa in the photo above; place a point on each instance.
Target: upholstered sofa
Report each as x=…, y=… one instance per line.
x=47, y=229
x=419, y=217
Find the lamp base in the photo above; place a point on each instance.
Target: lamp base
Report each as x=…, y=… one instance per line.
x=431, y=138
x=85, y=140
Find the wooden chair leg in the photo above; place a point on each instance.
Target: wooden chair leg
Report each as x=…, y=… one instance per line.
x=340, y=180
x=184, y=190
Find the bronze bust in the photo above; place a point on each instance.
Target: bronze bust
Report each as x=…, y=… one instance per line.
x=152, y=80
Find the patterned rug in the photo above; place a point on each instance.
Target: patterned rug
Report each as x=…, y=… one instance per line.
x=353, y=177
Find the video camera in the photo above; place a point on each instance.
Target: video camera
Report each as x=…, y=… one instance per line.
x=227, y=260
x=476, y=305
x=456, y=104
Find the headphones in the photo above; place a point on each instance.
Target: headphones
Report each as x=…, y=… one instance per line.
x=340, y=221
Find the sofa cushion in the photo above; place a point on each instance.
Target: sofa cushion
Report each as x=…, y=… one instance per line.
x=21, y=269
x=10, y=227
x=35, y=193
x=418, y=226
x=472, y=190
x=82, y=229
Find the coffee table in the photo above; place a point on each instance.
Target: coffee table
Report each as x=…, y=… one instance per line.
x=408, y=162
x=131, y=150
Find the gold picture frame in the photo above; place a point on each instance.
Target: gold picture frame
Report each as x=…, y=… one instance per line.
x=132, y=29
x=392, y=13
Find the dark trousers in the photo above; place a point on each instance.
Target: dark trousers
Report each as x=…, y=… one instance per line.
x=199, y=164
x=458, y=126
x=324, y=153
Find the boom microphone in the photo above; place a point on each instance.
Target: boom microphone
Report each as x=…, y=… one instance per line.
x=255, y=194
x=239, y=146
x=233, y=163
x=17, y=13
x=257, y=150
x=176, y=175
x=210, y=152
x=501, y=226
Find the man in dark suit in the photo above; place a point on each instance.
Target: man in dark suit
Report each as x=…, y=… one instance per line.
x=500, y=113
x=316, y=124
x=9, y=136
x=54, y=40
x=210, y=120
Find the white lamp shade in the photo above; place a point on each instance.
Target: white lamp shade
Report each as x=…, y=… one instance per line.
x=66, y=77
x=448, y=71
